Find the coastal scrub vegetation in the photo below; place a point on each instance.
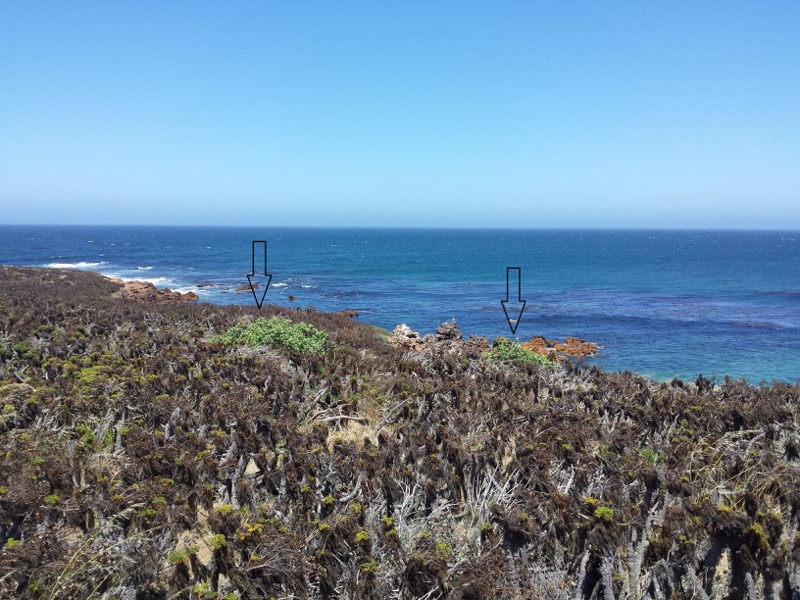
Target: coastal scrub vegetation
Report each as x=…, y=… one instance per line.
x=141, y=456
x=507, y=350
x=277, y=332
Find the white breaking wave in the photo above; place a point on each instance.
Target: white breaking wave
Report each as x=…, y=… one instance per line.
x=280, y=285
x=77, y=265
x=187, y=289
x=156, y=281
x=144, y=268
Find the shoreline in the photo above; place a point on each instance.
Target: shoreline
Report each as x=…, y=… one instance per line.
x=647, y=368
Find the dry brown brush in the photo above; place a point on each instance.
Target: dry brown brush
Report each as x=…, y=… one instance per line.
x=140, y=459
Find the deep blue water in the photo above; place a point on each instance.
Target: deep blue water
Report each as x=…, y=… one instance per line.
x=662, y=303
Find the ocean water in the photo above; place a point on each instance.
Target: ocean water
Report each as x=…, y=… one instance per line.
x=661, y=303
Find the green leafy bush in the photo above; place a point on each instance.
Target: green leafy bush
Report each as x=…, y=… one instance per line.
x=362, y=536
x=506, y=350
x=278, y=332
x=177, y=557
x=604, y=513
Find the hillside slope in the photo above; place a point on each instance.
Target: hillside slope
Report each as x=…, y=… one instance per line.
x=140, y=458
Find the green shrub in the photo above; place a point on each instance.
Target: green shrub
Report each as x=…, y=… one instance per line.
x=649, y=455
x=604, y=514
x=443, y=551
x=218, y=541
x=277, y=332
x=506, y=350
x=362, y=536
x=86, y=434
x=369, y=567
x=177, y=557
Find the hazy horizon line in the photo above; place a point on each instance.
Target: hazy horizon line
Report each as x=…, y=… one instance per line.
x=414, y=227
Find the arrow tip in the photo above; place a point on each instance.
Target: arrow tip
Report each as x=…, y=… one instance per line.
x=513, y=313
x=254, y=286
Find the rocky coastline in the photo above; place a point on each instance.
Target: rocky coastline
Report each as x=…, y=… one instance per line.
x=448, y=336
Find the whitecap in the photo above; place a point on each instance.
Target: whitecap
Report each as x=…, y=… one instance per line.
x=187, y=289
x=77, y=265
x=280, y=285
x=144, y=268
x=156, y=281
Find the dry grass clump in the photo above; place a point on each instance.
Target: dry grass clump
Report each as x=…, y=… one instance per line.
x=139, y=457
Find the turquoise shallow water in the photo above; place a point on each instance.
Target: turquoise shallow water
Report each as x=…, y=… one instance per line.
x=662, y=303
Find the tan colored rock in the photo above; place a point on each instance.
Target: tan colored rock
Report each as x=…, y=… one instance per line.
x=571, y=347
x=537, y=344
x=251, y=470
x=144, y=291
x=404, y=337
x=575, y=347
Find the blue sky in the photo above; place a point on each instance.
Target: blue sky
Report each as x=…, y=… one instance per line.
x=463, y=114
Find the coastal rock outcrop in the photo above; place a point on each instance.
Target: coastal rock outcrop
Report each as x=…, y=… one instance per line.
x=448, y=331
x=572, y=347
x=448, y=340
x=144, y=291
x=405, y=337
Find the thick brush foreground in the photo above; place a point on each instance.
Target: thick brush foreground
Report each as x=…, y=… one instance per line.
x=142, y=458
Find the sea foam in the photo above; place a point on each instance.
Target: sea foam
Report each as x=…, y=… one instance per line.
x=77, y=265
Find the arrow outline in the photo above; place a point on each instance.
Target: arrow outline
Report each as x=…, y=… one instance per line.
x=519, y=298
x=253, y=273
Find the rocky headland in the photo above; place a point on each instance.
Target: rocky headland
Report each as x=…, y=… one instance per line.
x=156, y=449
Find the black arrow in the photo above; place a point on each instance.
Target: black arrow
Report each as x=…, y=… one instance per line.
x=516, y=307
x=256, y=278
